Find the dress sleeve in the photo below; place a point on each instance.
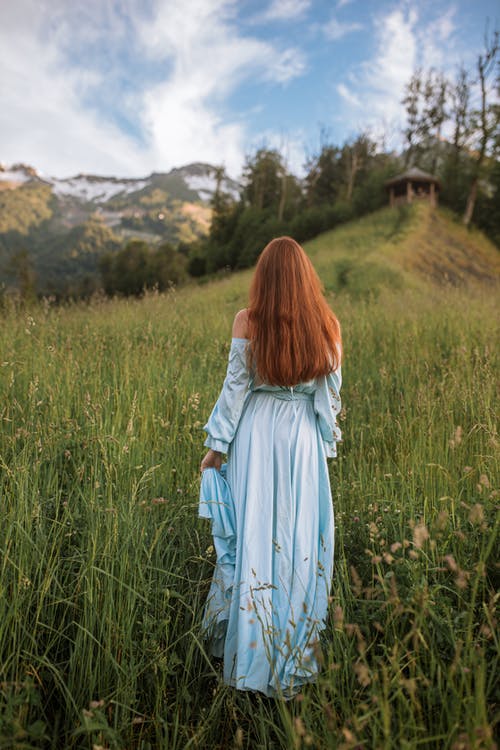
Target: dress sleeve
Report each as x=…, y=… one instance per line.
x=225, y=416
x=327, y=405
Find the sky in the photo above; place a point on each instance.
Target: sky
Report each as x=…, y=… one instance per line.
x=127, y=87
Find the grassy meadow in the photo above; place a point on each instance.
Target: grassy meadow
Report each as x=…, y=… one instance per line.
x=105, y=565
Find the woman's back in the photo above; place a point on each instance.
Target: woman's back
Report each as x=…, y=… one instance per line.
x=274, y=528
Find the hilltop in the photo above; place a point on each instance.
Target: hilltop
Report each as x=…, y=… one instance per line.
x=407, y=247
x=413, y=247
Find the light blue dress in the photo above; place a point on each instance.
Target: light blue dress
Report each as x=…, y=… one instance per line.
x=273, y=526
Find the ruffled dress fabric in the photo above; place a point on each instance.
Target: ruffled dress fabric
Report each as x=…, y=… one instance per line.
x=273, y=527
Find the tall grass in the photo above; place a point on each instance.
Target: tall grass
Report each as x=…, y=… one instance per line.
x=105, y=565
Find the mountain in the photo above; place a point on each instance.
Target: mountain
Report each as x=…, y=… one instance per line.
x=39, y=216
x=195, y=182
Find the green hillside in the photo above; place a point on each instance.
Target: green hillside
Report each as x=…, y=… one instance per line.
x=414, y=247
x=24, y=208
x=401, y=248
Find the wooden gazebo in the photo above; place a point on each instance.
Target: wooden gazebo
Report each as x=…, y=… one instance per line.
x=414, y=184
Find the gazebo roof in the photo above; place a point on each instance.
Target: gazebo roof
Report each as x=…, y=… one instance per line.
x=415, y=175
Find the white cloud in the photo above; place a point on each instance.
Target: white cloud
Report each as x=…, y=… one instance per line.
x=284, y=10
x=286, y=65
x=349, y=96
x=46, y=115
x=337, y=29
x=373, y=91
x=42, y=121
x=393, y=64
x=185, y=115
x=434, y=45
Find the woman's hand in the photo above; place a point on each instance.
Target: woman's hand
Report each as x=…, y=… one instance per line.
x=212, y=460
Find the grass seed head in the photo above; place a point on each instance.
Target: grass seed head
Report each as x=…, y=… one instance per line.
x=420, y=534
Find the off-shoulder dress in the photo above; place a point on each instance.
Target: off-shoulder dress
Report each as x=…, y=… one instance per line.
x=273, y=525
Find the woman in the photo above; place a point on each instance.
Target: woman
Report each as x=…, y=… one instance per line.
x=275, y=419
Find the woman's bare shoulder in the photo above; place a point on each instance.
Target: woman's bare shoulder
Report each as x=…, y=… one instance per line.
x=240, y=324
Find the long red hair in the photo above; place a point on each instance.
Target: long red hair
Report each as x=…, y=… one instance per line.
x=294, y=335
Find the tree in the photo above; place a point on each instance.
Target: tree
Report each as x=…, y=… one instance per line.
x=356, y=157
x=167, y=267
x=467, y=163
x=485, y=120
x=459, y=112
x=425, y=101
x=434, y=112
x=411, y=100
x=137, y=267
x=21, y=266
x=324, y=176
x=223, y=206
x=457, y=162
x=263, y=179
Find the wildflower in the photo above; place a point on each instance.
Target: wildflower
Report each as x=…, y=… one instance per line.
x=483, y=480
x=442, y=520
x=457, y=437
x=420, y=534
x=461, y=581
x=410, y=685
x=476, y=514
x=338, y=617
x=450, y=560
x=299, y=726
x=357, y=582
x=349, y=736
x=362, y=673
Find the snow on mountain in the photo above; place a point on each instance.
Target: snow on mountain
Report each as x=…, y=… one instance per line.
x=17, y=173
x=97, y=189
x=204, y=185
x=12, y=175
x=202, y=179
x=198, y=177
